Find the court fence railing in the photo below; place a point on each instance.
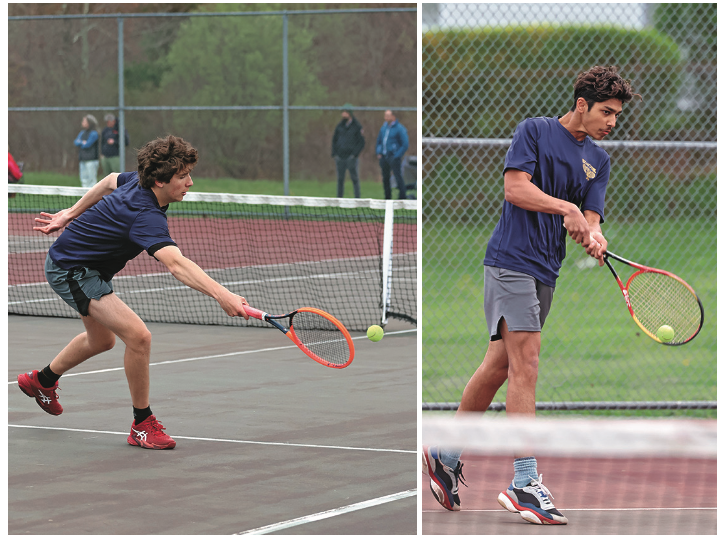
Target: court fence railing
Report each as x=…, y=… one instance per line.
x=284, y=107
x=486, y=68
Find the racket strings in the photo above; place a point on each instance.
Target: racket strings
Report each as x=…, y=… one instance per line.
x=322, y=337
x=659, y=299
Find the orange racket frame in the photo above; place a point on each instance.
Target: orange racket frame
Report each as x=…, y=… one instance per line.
x=291, y=333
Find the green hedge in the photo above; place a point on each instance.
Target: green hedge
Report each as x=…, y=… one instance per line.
x=482, y=83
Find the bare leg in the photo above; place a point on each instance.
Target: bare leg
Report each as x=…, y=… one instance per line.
x=95, y=340
x=486, y=380
x=111, y=312
x=523, y=351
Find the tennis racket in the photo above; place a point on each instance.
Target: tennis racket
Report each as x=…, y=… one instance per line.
x=655, y=298
x=318, y=334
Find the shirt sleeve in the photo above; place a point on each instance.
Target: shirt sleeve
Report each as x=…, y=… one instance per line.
x=594, y=197
x=523, y=153
x=404, y=142
x=92, y=139
x=125, y=178
x=150, y=231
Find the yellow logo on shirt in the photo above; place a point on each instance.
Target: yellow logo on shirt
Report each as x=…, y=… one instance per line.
x=589, y=170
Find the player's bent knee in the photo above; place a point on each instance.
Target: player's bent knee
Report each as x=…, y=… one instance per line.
x=140, y=340
x=104, y=344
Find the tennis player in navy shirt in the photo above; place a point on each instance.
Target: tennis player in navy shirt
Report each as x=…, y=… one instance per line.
x=555, y=179
x=117, y=219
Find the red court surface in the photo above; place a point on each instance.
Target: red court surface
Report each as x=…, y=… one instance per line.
x=598, y=496
x=229, y=243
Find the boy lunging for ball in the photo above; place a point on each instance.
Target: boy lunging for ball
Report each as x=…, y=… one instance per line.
x=121, y=216
x=555, y=179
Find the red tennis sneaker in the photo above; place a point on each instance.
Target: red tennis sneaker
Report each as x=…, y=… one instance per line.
x=150, y=434
x=47, y=398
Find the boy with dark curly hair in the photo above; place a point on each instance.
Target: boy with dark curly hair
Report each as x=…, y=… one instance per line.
x=121, y=216
x=555, y=180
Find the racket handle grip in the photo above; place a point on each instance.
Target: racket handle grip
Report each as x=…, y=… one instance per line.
x=254, y=312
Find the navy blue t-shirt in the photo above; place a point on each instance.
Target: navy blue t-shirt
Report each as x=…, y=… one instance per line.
x=114, y=230
x=535, y=242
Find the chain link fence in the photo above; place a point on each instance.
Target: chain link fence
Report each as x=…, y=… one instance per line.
x=486, y=67
x=257, y=88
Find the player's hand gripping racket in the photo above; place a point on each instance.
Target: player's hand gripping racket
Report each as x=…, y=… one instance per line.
x=319, y=335
x=656, y=298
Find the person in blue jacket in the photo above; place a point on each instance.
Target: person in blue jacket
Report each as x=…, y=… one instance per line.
x=87, y=142
x=392, y=143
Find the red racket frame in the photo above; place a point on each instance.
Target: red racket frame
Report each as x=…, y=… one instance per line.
x=641, y=269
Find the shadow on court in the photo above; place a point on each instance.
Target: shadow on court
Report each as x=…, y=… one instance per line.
x=264, y=436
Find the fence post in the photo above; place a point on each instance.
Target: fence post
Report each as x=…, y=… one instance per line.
x=286, y=166
x=122, y=129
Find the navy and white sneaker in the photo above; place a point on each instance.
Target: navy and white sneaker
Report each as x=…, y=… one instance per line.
x=532, y=502
x=443, y=479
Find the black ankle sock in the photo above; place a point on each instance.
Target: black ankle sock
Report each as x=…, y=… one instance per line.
x=47, y=377
x=140, y=414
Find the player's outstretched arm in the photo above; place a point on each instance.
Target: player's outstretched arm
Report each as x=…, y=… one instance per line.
x=520, y=192
x=51, y=222
x=193, y=276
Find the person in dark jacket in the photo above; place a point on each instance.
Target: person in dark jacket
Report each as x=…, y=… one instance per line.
x=346, y=145
x=392, y=143
x=110, y=161
x=87, y=142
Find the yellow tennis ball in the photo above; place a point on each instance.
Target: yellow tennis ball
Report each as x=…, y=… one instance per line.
x=375, y=333
x=665, y=333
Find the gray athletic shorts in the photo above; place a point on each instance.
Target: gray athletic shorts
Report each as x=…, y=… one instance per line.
x=77, y=286
x=522, y=300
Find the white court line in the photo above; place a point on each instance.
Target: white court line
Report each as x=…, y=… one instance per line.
x=174, y=361
x=590, y=509
x=228, y=440
x=329, y=513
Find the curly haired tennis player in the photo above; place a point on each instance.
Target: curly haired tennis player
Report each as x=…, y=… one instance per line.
x=117, y=219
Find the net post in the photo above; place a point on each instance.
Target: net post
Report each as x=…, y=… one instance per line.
x=387, y=244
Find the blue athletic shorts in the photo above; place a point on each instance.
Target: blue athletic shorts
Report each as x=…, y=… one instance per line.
x=77, y=286
x=520, y=299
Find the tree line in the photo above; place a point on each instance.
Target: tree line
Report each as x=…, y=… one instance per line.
x=364, y=59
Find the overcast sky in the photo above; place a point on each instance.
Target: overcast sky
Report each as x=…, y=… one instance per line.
x=476, y=15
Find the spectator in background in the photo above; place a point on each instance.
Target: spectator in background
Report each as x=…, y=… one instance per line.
x=88, y=153
x=15, y=172
x=347, y=143
x=392, y=143
x=110, y=161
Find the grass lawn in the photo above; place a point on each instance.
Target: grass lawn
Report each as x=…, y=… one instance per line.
x=591, y=348
x=369, y=189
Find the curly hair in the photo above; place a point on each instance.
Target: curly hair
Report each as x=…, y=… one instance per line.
x=162, y=158
x=599, y=84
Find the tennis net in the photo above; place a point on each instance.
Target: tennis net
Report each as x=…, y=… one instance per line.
x=607, y=476
x=354, y=258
